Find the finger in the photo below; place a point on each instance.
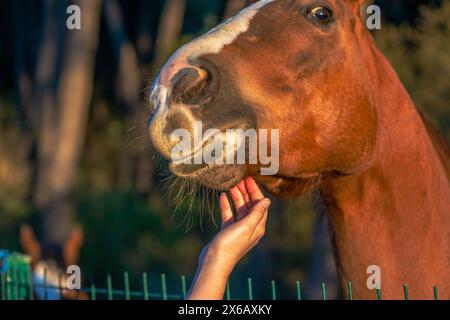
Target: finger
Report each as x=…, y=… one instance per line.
x=256, y=214
x=225, y=209
x=253, y=189
x=243, y=189
x=246, y=208
x=238, y=199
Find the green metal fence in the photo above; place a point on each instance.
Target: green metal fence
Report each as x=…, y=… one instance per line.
x=17, y=284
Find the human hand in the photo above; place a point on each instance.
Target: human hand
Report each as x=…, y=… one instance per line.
x=238, y=237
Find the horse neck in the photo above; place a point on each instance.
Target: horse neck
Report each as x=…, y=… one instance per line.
x=394, y=211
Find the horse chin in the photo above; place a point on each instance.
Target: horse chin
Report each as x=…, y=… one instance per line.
x=217, y=176
x=290, y=187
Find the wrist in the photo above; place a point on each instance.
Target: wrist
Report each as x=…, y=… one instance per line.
x=216, y=261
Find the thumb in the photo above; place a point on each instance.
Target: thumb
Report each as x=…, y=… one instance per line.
x=257, y=213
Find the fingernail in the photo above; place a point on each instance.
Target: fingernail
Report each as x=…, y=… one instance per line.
x=266, y=203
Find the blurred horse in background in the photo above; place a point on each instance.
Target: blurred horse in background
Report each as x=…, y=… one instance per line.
x=51, y=261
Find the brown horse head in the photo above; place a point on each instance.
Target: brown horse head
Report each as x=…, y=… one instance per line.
x=298, y=66
x=310, y=69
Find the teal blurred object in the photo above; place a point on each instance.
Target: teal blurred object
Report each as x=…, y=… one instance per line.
x=4, y=261
x=15, y=272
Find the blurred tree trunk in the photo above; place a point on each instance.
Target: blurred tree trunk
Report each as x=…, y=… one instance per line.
x=232, y=7
x=136, y=165
x=145, y=40
x=24, y=35
x=44, y=114
x=129, y=80
x=23, y=81
x=169, y=31
x=66, y=125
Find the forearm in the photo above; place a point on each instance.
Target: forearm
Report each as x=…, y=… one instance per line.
x=210, y=281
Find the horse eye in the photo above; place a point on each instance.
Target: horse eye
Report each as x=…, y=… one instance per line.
x=321, y=14
x=249, y=2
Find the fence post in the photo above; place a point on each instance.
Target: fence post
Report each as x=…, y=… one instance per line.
x=274, y=290
x=405, y=290
x=183, y=286
x=16, y=283
x=93, y=292
x=145, y=285
x=350, y=291
x=228, y=291
x=109, y=285
x=250, y=289
x=299, y=290
x=30, y=283
x=324, y=292
x=126, y=281
x=163, y=286
x=45, y=285
x=436, y=293
x=8, y=285
x=378, y=293
x=3, y=284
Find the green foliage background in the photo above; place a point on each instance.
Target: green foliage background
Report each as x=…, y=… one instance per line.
x=421, y=56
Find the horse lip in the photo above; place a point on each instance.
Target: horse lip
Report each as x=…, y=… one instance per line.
x=205, y=142
x=179, y=167
x=206, y=175
x=182, y=160
x=187, y=170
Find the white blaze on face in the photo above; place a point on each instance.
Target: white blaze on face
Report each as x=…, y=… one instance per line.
x=159, y=100
x=210, y=43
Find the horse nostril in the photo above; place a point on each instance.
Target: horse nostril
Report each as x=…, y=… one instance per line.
x=192, y=86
